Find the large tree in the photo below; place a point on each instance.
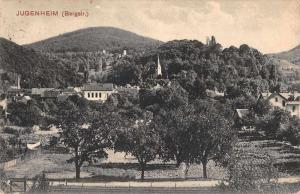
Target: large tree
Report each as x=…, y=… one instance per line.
x=196, y=133
x=84, y=132
x=214, y=136
x=139, y=138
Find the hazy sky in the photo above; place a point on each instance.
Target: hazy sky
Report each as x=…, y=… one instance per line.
x=268, y=25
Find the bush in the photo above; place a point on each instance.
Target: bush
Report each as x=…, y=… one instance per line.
x=3, y=180
x=40, y=184
x=11, y=131
x=251, y=170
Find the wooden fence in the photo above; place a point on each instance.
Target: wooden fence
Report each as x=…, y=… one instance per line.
x=20, y=159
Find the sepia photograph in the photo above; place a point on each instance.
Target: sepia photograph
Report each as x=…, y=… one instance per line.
x=150, y=96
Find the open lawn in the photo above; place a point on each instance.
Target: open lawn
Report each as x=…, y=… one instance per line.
x=116, y=167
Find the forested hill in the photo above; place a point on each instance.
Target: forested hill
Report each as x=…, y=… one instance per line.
x=94, y=39
x=242, y=70
x=293, y=55
x=36, y=70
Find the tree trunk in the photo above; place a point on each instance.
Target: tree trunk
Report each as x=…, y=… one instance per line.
x=143, y=171
x=186, y=170
x=77, y=171
x=204, y=163
x=77, y=166
x=178, y=162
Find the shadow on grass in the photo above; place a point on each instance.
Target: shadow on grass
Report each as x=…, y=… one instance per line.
x=135, y=166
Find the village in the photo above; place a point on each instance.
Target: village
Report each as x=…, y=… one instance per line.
x=150, y=97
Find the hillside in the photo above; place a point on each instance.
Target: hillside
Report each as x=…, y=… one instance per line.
x=293, y=55
x=94, y=39
x=36, y=70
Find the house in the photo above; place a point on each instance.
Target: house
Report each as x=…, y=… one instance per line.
x=98, y=92
x=39, y=92
x=128, y=89
x=13, y=92
x=214, y=93
x=51, y=93
x=289, y=101
x=45, y=93
x=241, y=118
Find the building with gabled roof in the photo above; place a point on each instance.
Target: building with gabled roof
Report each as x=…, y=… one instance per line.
x=289, y=101
x=97, y=91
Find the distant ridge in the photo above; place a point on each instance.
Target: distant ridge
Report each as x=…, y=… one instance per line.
x=94, y=39
x=293, y=55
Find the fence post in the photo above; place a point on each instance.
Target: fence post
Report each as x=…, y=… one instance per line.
x=10, y=186
x=25, y=184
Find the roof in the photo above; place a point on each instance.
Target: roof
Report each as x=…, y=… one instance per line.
x=278, y=94
x=98, y=87
x=51, y=93
x=266, y=94
x=62, y=97
x=69, y=90
x=242, y=112
x=39, y=91
x=13, y=89
x=293, y=102
x=213, y=93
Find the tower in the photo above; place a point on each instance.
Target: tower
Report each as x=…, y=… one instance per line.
x=158, y=67
x=207, y=41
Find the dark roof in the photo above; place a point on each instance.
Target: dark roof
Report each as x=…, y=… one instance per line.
x=62, y=97
x=68, y=90
x=39, y=91
x=98, y=87
x=51, y=93
x=12, y=89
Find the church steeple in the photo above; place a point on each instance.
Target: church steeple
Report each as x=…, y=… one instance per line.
x=158, y=67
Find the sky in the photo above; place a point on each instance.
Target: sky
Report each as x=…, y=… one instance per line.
x=268, y=25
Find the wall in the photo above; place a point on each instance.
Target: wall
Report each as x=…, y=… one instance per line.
x=296, y=113
x=104, y=95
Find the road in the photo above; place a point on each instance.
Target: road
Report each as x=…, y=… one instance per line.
x=135, y=190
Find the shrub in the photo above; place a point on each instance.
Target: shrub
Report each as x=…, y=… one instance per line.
x=40, y=184
x=3, y=180
x=10, y=130
x=251, y=170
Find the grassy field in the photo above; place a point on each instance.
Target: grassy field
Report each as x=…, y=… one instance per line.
x=117, y=166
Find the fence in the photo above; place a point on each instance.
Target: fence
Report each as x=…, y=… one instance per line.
x=65, y=185
x=20, y=159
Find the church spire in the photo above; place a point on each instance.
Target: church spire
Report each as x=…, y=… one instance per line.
x=158, y=67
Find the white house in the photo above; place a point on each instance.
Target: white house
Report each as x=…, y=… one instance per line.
x=289, y=101
x=98, y=92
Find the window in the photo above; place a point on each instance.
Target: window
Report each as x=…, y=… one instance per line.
x=96, y=95
x=283, y=103
x=276, y=99
x=89, y=95
x=294, y=108
x=99, y=94
x=92, y=94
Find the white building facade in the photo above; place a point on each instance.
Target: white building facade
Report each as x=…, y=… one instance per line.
x=98, y=92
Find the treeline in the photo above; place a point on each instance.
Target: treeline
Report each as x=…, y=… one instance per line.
x=35, y=69
x=244, y=68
